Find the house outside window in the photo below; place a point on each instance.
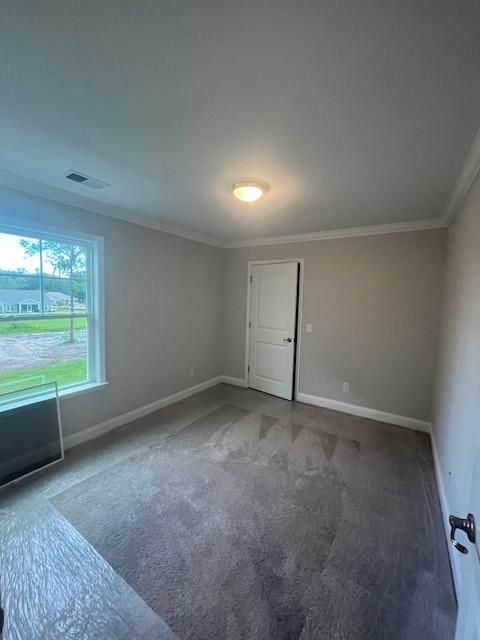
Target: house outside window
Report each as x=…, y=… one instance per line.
x=51, y=320
x=11, y=308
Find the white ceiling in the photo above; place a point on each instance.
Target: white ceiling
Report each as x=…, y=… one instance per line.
x=355, y=113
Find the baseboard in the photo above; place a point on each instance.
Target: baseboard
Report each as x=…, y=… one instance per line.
x=236, y=382
x=365, y=412
x=99, y=429
x=454, y=556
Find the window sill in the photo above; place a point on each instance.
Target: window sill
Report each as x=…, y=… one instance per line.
x=62, y=394
x=71, y=392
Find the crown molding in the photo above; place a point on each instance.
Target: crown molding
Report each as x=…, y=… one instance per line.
x=468, y=174
x=32, y=187
x=470, y=170
x=26, y=185
x=350, y=232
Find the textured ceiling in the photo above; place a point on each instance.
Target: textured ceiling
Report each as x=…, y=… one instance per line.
x=355, y=113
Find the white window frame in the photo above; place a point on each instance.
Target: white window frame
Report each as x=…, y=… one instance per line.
x=95, y=290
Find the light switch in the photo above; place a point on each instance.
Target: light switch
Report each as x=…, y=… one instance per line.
x=309, y=328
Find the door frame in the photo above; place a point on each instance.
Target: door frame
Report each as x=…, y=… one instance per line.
x=301, y=263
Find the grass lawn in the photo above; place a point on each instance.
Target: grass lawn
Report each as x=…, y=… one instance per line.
x=63, y=374
x=18, y=327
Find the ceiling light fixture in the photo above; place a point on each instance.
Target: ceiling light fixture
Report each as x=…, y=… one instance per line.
x=249, y=190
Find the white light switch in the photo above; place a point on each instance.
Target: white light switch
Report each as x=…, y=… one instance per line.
x=309, y=328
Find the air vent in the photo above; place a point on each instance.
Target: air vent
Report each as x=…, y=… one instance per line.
x=88, y=181
x=76, y=177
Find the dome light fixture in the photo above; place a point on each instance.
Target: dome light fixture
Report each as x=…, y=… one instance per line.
x=249, y=190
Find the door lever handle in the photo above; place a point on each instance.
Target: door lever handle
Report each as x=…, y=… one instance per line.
x=464, y=524
x=287, y=339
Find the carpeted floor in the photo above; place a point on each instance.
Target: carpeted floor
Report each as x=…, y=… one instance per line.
x=269, y=520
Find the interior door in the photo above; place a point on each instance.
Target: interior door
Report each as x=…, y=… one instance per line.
x=273, y=312
x=468, y=622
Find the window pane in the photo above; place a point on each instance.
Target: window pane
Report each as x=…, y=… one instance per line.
x=37, y=351
x=63, y=275
x=44, y=276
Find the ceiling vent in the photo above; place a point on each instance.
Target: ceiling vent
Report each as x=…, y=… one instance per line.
x=88, y=181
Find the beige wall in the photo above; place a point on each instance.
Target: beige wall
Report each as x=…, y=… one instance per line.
x=172, y=304
x=374, y=303
x=162, y=306
x=456, y=425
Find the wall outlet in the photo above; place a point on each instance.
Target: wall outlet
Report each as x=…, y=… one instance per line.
x=309, y=328
x=345, y=387
x=192, y=372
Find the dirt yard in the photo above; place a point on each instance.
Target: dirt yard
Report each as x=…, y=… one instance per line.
x=40, y=350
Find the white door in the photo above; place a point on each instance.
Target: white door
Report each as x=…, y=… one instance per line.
x=273, y=312
x=468, y=622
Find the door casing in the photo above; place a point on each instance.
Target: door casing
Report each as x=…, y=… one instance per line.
x=301, y=263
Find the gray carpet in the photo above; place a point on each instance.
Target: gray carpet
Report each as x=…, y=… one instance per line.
x=245, y=525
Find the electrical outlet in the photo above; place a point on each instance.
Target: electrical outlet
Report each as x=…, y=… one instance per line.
x=192, y=372
x=345, y=387
x=309, y=327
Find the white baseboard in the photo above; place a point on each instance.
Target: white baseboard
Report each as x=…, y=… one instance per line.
x=365, y=412
x=336, y=405
x=237, y=382
x=99, y=429
x=454, y=556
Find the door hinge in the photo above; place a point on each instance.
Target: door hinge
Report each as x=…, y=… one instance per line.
x=249, y=325
x=251, y=278
x=248, y=369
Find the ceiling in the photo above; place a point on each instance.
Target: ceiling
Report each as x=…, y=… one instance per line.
x=355, y=113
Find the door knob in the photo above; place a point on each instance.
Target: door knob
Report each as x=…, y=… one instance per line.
x=464, y=524
x=287, y=339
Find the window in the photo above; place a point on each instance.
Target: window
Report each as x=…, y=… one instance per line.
x=50, y=311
